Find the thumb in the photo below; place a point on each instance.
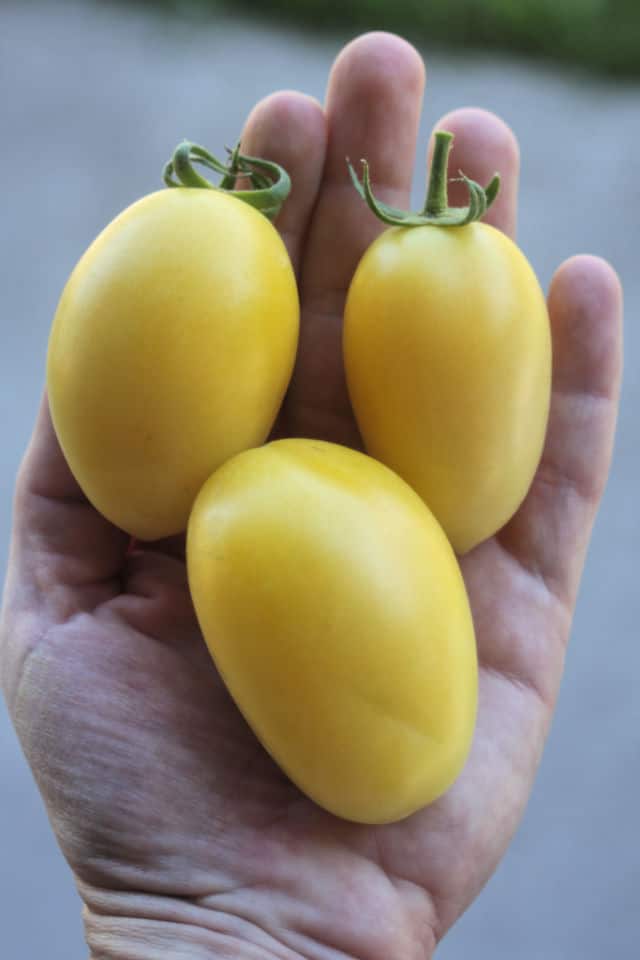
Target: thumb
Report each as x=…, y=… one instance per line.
x=65, y=553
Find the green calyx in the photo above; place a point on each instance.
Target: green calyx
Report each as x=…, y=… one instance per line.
x=436, y=211
x=270, y=183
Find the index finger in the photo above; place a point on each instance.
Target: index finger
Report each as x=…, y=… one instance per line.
x=290, y=128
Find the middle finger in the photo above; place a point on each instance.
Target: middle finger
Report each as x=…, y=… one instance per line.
x=373, y=106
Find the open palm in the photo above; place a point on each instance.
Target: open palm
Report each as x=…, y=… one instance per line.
x=184, y=837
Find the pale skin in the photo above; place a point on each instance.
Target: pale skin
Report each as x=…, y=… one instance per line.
x=184, y=838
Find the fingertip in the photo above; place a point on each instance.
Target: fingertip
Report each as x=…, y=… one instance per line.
x=590, y=280
x=585, y=306
x=484, y=144
x=373, y=104
x=289, y=128
x=485, y=129
x=288, y=121
x=380, y=58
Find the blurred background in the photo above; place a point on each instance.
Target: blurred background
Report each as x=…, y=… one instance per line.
x=93, y=97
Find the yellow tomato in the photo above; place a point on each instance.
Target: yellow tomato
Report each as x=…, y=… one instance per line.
x=170, y=351
x=448, y=361
x=334, y=608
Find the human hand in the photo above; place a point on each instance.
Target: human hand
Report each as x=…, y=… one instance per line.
x=184, y=838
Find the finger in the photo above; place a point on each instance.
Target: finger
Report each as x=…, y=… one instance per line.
x=373, y=105
x=483, y=145
x=289, y=128
x=550, y=533
x=69, y=553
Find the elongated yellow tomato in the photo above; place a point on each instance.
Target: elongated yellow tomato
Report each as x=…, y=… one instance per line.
x=335, y=610
x=170, y=351
x=448, y=362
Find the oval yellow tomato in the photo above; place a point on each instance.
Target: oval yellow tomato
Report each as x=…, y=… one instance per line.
x=170, y=351
x=335, y=610
x=448, y=361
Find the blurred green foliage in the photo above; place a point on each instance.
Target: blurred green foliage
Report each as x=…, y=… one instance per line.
x=601, y=35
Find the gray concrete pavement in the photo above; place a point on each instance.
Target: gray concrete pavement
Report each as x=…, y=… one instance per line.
x=91, y=99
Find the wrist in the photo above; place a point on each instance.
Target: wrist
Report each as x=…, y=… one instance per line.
x=252, y=922
x=120, y=926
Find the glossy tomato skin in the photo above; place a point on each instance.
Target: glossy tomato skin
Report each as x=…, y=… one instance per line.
x=448, y=361
x=334, y=608
x=170, y=351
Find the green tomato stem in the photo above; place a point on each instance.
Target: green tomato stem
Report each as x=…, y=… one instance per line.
x=437, y=194
x=436, y=210
x=270, y=183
